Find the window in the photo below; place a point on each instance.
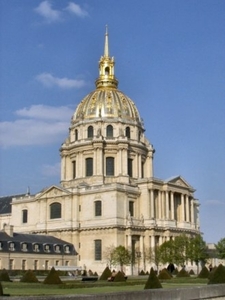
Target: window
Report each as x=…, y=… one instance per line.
x=107, y=71
x=46, y=264
x=35, y=264
x=55, y=210
x=90, y=132
x=98, y=208
x=24, y=247
x=131, y=208
x=24, y=264
x=1, y=245
x=89, y=166
x=57, y=263
x=74, y=169
x=98, y=250
x=109, y=165
x=128, y=132
x=47, y=248
x=76, y=134
x=67, y=249
x=36, y=247
x=109, y=131
x=11, y=264
x=24, y=216
x=130, y=167
x=57, y=248
x=11, y=246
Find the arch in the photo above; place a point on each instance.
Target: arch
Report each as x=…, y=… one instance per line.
x=90, y=132
x=109, y=131
x=55, y=210
x=107, y=71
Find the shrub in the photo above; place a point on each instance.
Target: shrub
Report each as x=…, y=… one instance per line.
x=52, y=277
x=29, y=276
x=153, y=281
x=95, y=274
x=90, y=273
x=142, y=272
x=164, y=274
x=4, y=276
x=105, y=274
x=218, y=275
x=192, y=272
x=1, y=290
x=183, y=273
x=204, y=273
x=119, y=277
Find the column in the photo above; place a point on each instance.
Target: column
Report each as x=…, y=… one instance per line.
x=182, y=208
x=172, y=205
x=139, y=166
x=163, y=204
x=152, y=241
x=159, y=205
x=167, y=205
x=124, y=162
x=152, y=214
x=187, y=209
x=120, y=162
x=192, y=211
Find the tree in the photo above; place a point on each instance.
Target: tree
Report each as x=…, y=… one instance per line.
x=154, y=255
x=197, y=250
x=181, y=244
x=220, y=247
x=107, y=255
x=121, y=256
x=166, y=251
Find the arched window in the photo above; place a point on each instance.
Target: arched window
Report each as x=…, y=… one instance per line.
x=98, y=208
x=110, y=166
x=90, y=132
x=89, y=166
x=76, y=134
x=109, y=131
x=55, y=210
x=74, y=168
x=107, y=71
x=128, y=132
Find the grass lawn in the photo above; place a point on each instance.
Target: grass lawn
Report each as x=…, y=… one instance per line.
x=76, y=287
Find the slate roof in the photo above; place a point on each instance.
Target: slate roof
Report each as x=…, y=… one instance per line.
x=30, y=239
x=5, y=203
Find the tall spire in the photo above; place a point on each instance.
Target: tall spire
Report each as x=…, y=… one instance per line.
x=106, y=68
x=106, y=49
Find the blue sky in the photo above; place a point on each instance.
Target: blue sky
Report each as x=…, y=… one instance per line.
x=170, y=60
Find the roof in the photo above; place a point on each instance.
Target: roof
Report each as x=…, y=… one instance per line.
x=5, y=203
x=18, y=239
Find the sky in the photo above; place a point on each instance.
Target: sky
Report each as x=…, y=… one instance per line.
x=170, y=60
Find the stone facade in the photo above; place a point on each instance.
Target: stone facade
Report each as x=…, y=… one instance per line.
x=108, y=195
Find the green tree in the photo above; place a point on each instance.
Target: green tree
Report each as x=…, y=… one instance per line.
x=180, y=249
x=121, y=256
x=154, y=255
x=197, y=250
x=108, y=255
x=220, y=248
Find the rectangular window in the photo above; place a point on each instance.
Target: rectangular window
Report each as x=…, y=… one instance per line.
x=130, y=167
x=131, y=208
x=11, y=264
x=24, y=264
x=110, y=166
x=98, y=250
x=74, y=168
x=35, y=264
x=89, y=166
x=24, y=217
x=98, y=208
x=57, y=263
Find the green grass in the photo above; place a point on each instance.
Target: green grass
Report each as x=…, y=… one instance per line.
x=99, y=287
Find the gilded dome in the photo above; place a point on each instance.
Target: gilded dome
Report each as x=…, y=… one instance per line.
x=107, y=101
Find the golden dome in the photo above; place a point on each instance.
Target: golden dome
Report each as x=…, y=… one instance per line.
x=107, y=101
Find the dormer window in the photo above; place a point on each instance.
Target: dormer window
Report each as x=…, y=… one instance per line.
x=47, y=248
x=57, y=248
x=67, y=249
x=36, y=247
x=1, y=244
x=11, y=246
x=24, y=247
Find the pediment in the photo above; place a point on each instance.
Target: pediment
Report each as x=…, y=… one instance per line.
x=178, y=180
x=52, y=192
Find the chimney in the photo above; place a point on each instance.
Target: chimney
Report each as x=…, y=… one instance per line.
x=8, y=229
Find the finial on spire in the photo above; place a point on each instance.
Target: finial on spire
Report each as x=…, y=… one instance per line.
x=106, y=49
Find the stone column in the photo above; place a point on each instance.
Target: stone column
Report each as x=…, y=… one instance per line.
x=187, y=209
x=172, y=205
x=159, y=205
x=182, y=208
x=192, y=211
x=124, y=162
x=152, y=215
x=152, y=241
x=139, y=166
x=167, y=205
x=163, y=204
x=120, y=162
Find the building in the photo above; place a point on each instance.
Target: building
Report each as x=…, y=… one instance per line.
x=108, y=194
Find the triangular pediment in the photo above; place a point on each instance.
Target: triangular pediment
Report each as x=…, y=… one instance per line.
x=52, y=192
x=178, y=180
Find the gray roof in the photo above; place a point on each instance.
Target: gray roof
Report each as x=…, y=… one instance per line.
x=5, y=203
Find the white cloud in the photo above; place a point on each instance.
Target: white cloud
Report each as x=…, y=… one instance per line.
x=51, y=170
x=46, y=11
x=49, y=80
x=76, y=9
x=38, y=125
x=215, y=202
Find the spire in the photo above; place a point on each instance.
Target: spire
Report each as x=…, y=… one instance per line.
x=106, y=49
x=106, y=68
